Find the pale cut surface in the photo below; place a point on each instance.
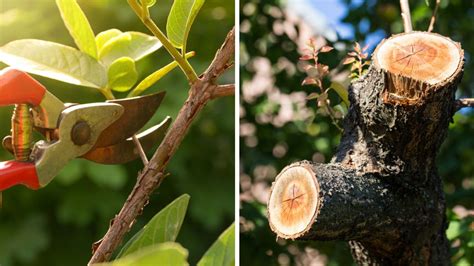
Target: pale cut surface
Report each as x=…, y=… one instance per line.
x=422, y=56
x=293, y=201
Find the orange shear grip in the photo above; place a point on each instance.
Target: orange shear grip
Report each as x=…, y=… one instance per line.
x=17, y=87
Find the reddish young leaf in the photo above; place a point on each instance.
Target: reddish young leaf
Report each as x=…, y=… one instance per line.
x=309, y=81
x=326, y=49
x=306, y=57
x=354, y=54
x=308, y=68
x=357, y=48
x=323, y=70
x=348, y=60
x=365, y=48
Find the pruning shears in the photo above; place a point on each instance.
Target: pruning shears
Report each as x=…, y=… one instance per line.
x=100, y=132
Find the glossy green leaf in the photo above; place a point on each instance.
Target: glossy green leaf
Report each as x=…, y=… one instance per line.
x=161, y=254
x=122, y=74
x=54, y=61
x=163, y=227
x=102, y=38
x=180, y=20
x=154, y=77
x=341, y=91
x=135, y=45
x=78, y=26
x=222, y=252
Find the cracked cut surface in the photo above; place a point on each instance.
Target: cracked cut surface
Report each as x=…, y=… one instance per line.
x=293, y=202
x=422, y=56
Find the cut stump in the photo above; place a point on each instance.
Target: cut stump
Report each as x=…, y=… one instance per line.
x=294, y=201
x=416, y=63
x=381, y=191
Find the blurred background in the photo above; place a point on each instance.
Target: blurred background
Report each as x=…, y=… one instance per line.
x=279, y=126
x=59, y=223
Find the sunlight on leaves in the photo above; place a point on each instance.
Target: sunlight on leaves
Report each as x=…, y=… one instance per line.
x=78, y=26
x=221, y=253
x=54, y=61
x=122, y=74
x=180, y=20
x=155, y=77
x=105, y=36
x=135, y=45
x=163, y=227
x=341, y=91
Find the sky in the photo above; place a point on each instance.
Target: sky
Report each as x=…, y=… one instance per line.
x=326, y=17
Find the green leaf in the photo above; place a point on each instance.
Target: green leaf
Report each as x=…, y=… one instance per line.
x=54, y=61
x=341, y=91
x=180, y=20
x=221, y=253
x=163, y=227
x=427, y=2
x=162, y=254
x=135, y=45
x=105, y=36
x=78, y=26
x=148, y=3
x=154, y=77
x=122, y=74
x=454, y=230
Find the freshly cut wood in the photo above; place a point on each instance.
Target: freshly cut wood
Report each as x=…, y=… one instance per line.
x=294, y=201
x=417, y=62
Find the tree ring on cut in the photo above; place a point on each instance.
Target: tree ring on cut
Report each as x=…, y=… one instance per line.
x=293, y=202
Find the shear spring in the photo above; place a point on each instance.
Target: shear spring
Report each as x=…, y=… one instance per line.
x=22, y=128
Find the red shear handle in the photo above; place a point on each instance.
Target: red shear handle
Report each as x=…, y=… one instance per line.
x=14, y=173
x=17, y=87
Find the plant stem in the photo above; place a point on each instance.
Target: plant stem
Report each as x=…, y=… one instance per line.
x=433, y=17
x=145, y=83
x=406, y=16
x=107, y=92
x=150, y=24
x=153, y=174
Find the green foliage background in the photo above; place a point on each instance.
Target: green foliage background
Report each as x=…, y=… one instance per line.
x=267, y=144
x=58, y=224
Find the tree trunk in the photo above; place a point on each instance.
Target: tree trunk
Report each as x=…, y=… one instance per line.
x=382, y=192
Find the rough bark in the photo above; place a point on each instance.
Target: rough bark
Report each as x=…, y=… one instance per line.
x=153, y=174
x=382, y=192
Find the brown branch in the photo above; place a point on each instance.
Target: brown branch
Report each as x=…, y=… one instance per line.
x=406, y=16
x=223, y=90
x=433, y=17
x=465, y=102
x=153, y=174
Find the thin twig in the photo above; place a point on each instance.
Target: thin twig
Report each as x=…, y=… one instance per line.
x=406, y=16
x=465, y=102
x=433, y=17
x=141, y=152
x=223, y=90
x=150, y=24
x=153, y=174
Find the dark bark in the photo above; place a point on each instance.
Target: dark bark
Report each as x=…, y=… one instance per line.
x=382, y=192
x=399, y=143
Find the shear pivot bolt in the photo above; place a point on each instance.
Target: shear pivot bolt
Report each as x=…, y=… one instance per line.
x=81, y=133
